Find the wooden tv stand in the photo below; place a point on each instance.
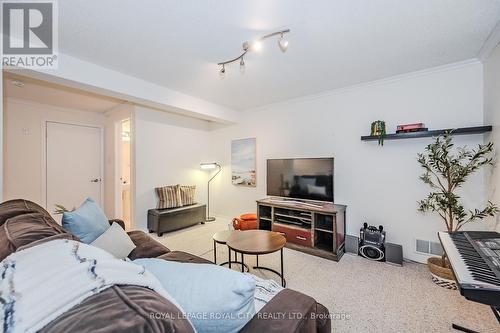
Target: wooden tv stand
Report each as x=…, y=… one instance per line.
x=311, y=227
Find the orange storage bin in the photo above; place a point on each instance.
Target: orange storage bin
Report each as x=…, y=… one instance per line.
x=245, y=222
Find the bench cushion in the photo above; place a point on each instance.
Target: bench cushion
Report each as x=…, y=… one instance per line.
x=168, y=196
x=188, y=194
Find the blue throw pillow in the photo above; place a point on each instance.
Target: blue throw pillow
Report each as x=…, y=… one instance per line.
x=214, y=298
x=87, y=222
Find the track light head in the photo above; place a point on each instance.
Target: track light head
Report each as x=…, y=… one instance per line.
x=222, y=72
x=283, y=44
x=242, y=66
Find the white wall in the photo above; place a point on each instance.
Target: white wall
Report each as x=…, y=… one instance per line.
x=1, y=132
x=379, y=185
x=167, y=150
x=492, y=116
x=111, y=173
x=24, y=158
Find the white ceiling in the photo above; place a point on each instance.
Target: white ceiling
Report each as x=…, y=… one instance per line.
x=333, y=43
x=56, y=95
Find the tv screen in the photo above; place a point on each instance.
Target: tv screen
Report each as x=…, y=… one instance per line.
x=301, y=178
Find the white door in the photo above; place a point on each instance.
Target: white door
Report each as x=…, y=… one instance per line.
x=74, y=164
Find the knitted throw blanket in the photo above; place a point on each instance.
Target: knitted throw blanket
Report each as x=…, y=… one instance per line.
x=265, y=290
x=40, y=283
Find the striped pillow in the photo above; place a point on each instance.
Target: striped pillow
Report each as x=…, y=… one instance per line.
x=187, y=195
x=168, y=197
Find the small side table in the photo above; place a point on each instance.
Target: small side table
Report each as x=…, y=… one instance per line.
x=221, y=238
x=258, y=242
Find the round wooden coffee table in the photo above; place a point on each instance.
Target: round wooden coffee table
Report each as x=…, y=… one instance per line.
x=221, y=238
x=257, y=242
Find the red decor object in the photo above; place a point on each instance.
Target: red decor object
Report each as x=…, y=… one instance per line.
x=409, y=127
x=245, y=222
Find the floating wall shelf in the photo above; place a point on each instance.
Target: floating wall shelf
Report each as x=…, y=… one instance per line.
x=426, y=134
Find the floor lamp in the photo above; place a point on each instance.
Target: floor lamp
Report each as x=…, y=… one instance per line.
x=210, y=166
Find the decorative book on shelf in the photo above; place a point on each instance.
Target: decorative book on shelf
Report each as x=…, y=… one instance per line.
x=431, y=133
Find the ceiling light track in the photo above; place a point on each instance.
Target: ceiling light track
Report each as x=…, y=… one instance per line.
x=254, y=45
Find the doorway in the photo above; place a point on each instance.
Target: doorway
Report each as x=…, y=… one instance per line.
x=123, y=166
x=74, y=155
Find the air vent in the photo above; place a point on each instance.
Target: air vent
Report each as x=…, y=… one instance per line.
x=436, y=249
x=423, y=246
x=428, y=247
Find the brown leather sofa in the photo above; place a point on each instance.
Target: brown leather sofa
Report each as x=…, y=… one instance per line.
x=130, y=308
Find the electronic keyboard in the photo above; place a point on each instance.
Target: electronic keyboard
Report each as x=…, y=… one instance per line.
x=475, y=259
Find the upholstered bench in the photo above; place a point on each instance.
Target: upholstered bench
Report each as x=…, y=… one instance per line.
x=165, y=220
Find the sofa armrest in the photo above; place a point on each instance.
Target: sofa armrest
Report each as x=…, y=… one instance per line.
x=146, y=247
x=120, y=223
x=180, y=256
x=290, y=311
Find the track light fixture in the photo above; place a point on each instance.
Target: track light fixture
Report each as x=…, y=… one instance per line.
x=254, y=46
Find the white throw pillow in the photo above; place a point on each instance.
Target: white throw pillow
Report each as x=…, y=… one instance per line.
x=115, y=241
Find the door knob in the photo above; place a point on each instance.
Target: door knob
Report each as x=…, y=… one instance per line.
x=97, y=180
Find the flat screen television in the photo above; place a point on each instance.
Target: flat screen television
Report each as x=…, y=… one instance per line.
x=301, y=178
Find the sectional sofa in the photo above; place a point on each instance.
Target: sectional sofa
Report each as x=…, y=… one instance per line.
x=124, y=308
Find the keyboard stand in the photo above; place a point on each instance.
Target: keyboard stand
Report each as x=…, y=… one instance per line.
x=462, y=329
x=496, y=312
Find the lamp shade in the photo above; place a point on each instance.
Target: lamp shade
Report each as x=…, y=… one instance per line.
x=209, y=166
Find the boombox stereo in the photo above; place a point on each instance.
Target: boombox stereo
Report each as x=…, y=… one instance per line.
x=371, y=242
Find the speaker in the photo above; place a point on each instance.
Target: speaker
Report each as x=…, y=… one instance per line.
x=372, y=240
x=372, y=252
x=394, y=254
x=351, y=244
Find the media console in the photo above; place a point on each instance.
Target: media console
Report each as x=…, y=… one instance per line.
x=310, y=227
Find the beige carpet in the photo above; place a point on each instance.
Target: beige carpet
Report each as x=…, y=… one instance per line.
x=365, y=296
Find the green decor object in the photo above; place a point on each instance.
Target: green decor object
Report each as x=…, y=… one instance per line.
x=60, y=209
x=445, y=171
x=378, y=129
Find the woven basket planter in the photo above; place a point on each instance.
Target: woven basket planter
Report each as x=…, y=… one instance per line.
x=442, y=276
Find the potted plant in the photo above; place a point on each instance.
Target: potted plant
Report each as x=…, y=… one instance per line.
x=445, y=171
